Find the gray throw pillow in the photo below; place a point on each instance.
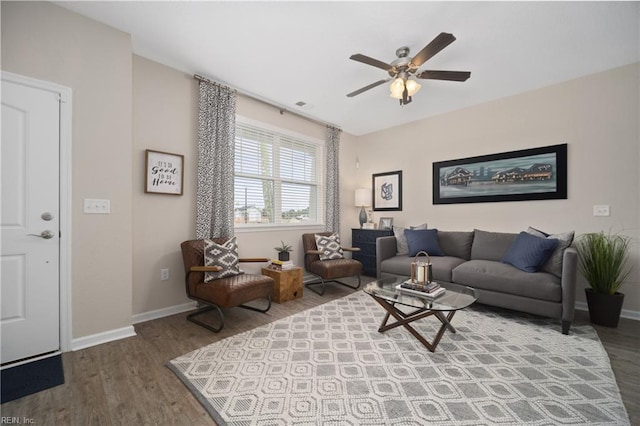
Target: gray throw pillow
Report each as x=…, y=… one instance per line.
x=402, y=248
x=222, y=255
x=554, y=264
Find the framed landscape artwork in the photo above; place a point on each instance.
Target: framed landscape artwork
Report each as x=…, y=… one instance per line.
x=529, y=174
x=387, y=191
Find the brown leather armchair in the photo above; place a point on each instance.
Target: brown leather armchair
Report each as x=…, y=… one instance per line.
x=328, y=270
x=225, y=292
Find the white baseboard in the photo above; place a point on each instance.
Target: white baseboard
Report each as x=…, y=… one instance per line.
x=100, y=338
x=164, y=312
x=124, y=332
x=626, y=313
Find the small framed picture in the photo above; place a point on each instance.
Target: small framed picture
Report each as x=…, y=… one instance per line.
x=387, y=191
x=164, y=173
x=386, y=223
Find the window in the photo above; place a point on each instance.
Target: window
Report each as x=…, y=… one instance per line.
x=278, y=177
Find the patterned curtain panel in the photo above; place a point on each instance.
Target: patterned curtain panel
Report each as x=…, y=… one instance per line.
x=332, y=210
x=216, y=140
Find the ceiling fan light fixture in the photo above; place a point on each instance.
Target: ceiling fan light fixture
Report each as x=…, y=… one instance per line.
x=401, y=69
x=397, y=87
x=412, y=87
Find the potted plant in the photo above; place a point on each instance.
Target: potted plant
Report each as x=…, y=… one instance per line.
x=283, y=251
x=603, y=260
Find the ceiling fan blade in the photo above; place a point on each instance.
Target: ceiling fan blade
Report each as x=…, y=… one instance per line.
x=365, y=88
x=370, y=61
x=445, y=75
x=436, y=45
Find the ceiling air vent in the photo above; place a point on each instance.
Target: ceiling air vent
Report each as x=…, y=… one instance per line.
x=303, y=105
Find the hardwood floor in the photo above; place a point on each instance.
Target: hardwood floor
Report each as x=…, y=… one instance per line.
x=126, y=382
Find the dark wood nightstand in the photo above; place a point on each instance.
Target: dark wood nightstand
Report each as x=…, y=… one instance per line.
x=365, y=240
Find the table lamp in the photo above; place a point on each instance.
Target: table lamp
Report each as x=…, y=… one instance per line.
x=363, y=199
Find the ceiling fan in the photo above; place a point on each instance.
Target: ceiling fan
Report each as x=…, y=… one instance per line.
x=404, y=67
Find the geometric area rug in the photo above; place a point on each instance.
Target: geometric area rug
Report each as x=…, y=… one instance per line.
x=329, y=365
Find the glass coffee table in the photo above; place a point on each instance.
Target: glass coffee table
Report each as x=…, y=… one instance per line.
x=408, y=307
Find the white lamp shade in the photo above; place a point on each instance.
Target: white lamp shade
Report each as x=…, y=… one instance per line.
x=397, y=87
x=412, y=87
x=363, y=197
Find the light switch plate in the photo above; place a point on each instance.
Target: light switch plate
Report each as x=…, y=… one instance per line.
x=95, y=206
x=601, y=210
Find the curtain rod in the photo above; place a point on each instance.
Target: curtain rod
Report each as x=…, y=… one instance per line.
x=271, y=104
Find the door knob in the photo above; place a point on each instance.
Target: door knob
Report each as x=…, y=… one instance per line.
x=47, y=216
x=47, y=235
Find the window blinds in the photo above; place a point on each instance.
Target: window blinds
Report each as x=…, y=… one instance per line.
x=278, y=177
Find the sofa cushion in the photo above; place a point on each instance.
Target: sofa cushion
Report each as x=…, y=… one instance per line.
x=440, y=266
x=423, y=240
x=401, y=239
x=503, y=278
x=554, y=264
x=336, y=268
x=235, y=290
x=456, y=244
x=490, y=245
x=398, y=265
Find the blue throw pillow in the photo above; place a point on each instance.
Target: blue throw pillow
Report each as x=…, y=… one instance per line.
x=528, y=252
x=423, y=240
x=553, y=265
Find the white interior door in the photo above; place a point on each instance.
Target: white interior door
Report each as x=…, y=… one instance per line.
x=30, y=316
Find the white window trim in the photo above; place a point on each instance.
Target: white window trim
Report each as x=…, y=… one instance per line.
x=320, y=223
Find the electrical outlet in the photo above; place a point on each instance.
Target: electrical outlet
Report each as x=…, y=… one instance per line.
x=164, y=274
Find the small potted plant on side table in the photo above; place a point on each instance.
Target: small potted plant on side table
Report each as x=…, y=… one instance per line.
x=283, y=251
x=603, y=260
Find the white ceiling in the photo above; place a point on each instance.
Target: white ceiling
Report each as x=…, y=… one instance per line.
x=286, y=52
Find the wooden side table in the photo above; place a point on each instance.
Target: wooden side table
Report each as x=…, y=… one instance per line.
x=288, y=284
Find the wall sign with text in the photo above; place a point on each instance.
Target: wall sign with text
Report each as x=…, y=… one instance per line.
x=164, y=173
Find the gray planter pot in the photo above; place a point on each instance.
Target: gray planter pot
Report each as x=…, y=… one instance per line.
x=283, y=256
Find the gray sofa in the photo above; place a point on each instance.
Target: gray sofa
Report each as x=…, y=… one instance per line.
x=473, y=259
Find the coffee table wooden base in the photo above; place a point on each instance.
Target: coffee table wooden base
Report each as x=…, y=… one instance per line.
x=404, y=319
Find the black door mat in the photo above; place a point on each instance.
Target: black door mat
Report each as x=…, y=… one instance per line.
x=32, y=377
